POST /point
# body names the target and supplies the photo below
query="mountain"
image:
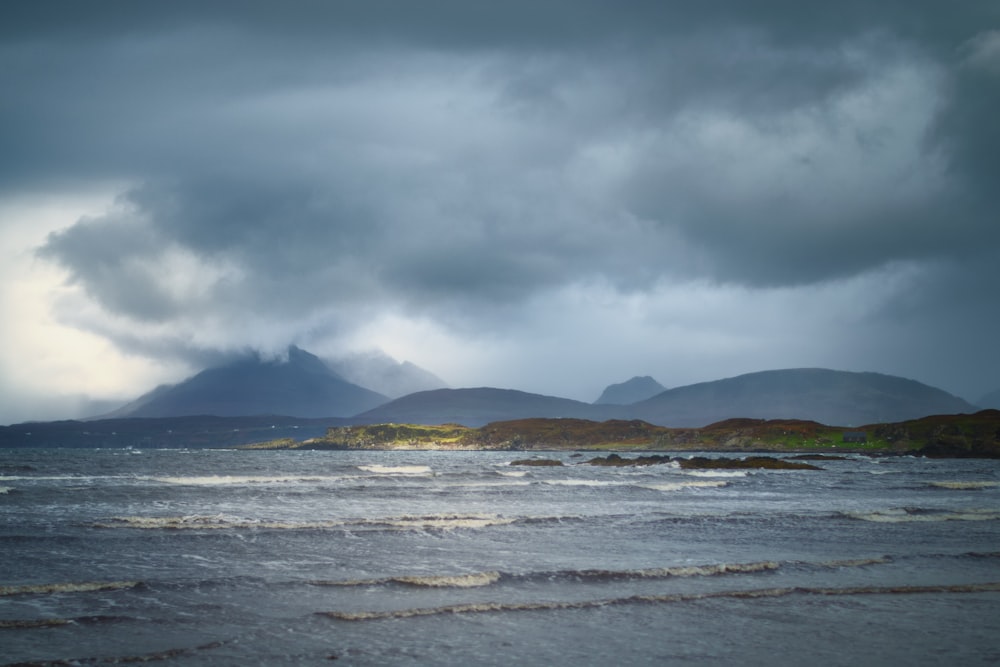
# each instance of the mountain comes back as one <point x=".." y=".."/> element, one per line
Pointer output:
<point x="830" y="397"/>
<point x="990" y="400"/>
<point x="299" y="386"/>
<point x="835" y="398"/>
<point x="479" y="406"/>
<point x="380" y="372"/>
<point x="632" y="391"/>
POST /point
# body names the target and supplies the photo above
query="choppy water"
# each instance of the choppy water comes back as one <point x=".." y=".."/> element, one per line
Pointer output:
<point x="213" y="557"/>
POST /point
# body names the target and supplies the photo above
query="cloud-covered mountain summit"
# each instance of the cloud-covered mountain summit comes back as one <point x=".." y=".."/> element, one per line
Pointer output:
<point x="300" y="385"/>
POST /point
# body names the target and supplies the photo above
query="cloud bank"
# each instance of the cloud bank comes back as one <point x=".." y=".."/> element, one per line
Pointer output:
<point x="553" y="195"/>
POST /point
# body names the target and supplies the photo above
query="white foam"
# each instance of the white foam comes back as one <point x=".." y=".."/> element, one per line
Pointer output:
<point x="857" y="562"/>
<point x="962" y="486"/>
<point x="678" y="486"/>
<point x="751" y="594"/>
<point x="716" y="473"/>
<point x="68" y="587"/>
<point x="472" y="580"/>
<point x="207" y="522"/>
<point x="396" y="470"/>
<point x="237" y="480"/>
<point x="516" y="473"/>
<point x="904" y="516"/>
<point x="488" y="484"/>
<point x="442" y="521"/>
<point x="582" y="482"/>
<point x="4" y="490"/>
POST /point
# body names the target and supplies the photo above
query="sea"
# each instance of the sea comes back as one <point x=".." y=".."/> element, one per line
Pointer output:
<point x="226" y="557"/>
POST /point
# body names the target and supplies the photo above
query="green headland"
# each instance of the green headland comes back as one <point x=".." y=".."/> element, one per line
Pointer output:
<point x="966" y="435"/>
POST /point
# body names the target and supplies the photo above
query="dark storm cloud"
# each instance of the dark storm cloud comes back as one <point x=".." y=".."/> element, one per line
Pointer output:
<point x="316" y="161"/>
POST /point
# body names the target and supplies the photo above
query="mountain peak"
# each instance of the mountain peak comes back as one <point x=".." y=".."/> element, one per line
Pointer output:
<point x="378" y="371"/>
<point x="300" y="385"/>
<point x="639" y="388"/>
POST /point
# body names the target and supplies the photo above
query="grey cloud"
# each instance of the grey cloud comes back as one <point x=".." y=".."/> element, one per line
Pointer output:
<point x="110" y="257"/>
<point x="320" y="161"/>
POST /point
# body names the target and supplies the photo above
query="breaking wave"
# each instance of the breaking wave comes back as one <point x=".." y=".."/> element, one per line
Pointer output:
<point x="473" y="580"/>
<point x="69" y="587"/>
<point x="479" y="579"/>
<point x="582" y="482"/>
<point x="238" y="480"/>
<point x="676" y="571"/>
<point x="911" y="515"/>
<point x="965" y="485"/>
<point x="224" y="522"/>
<point x="440" y="521"/>
<point x="716" y="473"/>
<point x="487" y="607"/>
<point x="396" y="470"/>
<point x="856" y="562"/>
<point x="207" y="522"/>
<point x="677" y="486"/>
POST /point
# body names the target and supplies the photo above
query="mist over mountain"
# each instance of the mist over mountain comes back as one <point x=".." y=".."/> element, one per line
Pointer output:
<point x="990" y="400"/>
<point x="826" y="396"/>
<point x="299" y="386"/>
<point x="303" y="386"/>
<point x="639" y="388"/>
<point x="381" y="373"/>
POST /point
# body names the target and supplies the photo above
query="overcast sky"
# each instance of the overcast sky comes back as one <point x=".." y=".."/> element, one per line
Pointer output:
<point x="550" y="195"/>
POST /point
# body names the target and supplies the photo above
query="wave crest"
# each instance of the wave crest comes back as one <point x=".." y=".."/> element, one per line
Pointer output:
<point x="909" y="515"/>
<point x="66" y="587"/>
<point x="963" y="486"/>
<point x="396" y="470"/>
<point x="472" y="580"/>
<point x="748" y="594"/>
<point x="678" y="486"/>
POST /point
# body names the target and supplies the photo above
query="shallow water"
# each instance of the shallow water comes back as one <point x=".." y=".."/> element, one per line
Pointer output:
<point x="214" y="557"/>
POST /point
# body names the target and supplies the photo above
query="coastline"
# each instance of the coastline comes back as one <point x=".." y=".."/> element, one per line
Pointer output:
<point x="944" y="436"/>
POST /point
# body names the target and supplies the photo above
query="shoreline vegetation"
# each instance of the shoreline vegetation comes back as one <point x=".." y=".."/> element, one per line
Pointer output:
<point x="966" y="435"/>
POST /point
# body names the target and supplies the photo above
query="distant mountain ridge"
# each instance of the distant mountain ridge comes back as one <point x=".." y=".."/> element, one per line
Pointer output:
<point x="830" y="397"/>
<point x="304" y="386"/>
<point x="634" y="390"/>
<point x="840" y="398"/>
<point x="478" y="406"/>
<point x="990" y="400"/>
<point x="299" y="386"/>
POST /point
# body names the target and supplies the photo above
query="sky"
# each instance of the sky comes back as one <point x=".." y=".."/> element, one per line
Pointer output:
<point x="550" y="196"/>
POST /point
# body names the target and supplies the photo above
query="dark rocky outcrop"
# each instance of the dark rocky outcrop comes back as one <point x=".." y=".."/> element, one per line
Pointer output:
<point x="614" y="460"/>
<point x="751" y="462"/>
<point x="536" y="462"/>
<point x="703" y="463"/>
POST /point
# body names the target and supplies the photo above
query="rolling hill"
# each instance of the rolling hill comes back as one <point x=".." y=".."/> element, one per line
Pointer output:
<point x="826" y="396"/>
<point x="478" y="406"/>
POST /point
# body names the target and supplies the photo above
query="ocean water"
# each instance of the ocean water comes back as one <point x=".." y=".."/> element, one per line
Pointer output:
<point x="215" y="557"/>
